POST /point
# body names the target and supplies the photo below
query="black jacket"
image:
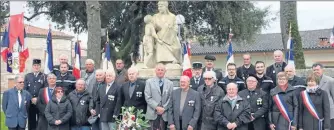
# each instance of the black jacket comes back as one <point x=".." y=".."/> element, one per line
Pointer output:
<point x="289" y="98"/>
<point x="58" y="111"/>
<point x="265" y="83"/>
<point x="137" y="99"/>
<point x="225" y="81"/>
<point x="270" y="71"/>
<point x="258" y="100"/>
<point x="243" y="72"/>
<point x="56" y="69"/>
<point x="81" y="108"/>
<point x="193" y="84"/>
<point x="67" y="82"/>
<point x="240" y="114"/>
<point x="109" y="103"/>
<point x="34" y="84"/>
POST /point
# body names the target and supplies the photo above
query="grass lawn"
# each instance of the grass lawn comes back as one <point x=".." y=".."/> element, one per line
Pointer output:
<point x="2" y="123"/>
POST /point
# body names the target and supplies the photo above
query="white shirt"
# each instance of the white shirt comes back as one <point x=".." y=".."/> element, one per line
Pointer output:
<point x="20" y="97"/>
<point x="108" y="86"/>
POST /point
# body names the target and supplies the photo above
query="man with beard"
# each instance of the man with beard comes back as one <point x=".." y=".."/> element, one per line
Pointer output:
<point x="247" y="68"/>
<point x="264" y="82"/>
<point x="33" y="83"/>
<point x="63" y="59"/>
<point x="209" y="66"/>
<point x="277" y="67"/>
<point x="231" y="77"/>
<point x="120" y="72"/>
<point x="197" y="80"/>
<point x="65" y="79"/>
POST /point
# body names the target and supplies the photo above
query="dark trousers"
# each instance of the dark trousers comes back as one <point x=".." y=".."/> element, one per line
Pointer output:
<point x="96" y="125"/>
<point x="32" y="117"/>
<point x="17" y="128"/>
<point x="251" y="126"/>
<point x="158" y="124"/>
<point x="332" y="124"/>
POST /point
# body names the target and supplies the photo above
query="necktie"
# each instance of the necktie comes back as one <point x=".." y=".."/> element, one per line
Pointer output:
<point x="51" y="90"/>
<point x="132" y="84"/>
<point x="161" y="84"/>
<point x="196" y="80"/>
<point x="20" y="97"/>
<point x="108" y="87"/>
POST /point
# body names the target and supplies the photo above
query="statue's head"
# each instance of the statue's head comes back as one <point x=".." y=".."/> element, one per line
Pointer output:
<point x="163" y="6"/>
<point x="147" y="18"/>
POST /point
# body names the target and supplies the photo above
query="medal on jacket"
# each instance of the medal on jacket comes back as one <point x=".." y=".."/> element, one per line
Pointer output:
<point x="82" y="102"/>
<point x="139" y="94"/>
<point x="191" y="103"/>
<point x="259" y="101"/>
<point x="211" y="98"/>
<point x="248" y="96"/>
<point x="237" y="106"/>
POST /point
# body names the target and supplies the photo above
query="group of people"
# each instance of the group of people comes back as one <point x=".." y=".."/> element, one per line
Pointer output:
<point x="250" y="97"/>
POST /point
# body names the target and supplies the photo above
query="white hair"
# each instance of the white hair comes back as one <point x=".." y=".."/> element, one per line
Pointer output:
<point x="18" y="76"/>
<point x="100" y="71"/>
<point x="290" y="66"/>
<point x="232" y="84"/>
<point x="63" y="55"/>
<point x="278" y="52"/>
<point x="110" y="71"/>
<point x="51" y="75"/>
<point x="211" y="74"/>
<point x="135" y="69"/>
<point x="90" y="61"/>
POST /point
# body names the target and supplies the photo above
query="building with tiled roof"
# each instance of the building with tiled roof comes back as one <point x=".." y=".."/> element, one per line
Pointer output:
<point x="263" y="46"/>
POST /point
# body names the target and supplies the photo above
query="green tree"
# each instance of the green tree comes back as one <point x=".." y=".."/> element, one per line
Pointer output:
<point x="4" y="12"/>
<point x="288" y="15"/>
<point x="209" y="22"/>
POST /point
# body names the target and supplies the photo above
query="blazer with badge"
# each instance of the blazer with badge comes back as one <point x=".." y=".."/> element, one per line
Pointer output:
<point x="137" y="99"/>
<point x="34" y="83"/>
<point x="193" y="83"/>
<point x="154" y="97"/>
<point x="259" y="104"/>
<point x="191" y="109"/>
<point x="15" y="115"/>
<point x="110" y="103"/>
<point x="270" y="71"/>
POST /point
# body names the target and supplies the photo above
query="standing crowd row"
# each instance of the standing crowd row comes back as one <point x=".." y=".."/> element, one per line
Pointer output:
<point x="250" y="97"/>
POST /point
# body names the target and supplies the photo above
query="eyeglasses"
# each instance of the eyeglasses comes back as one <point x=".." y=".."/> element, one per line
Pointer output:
<point x="60" y="91"/>
<point x="21" y="82"/>
<point x="207" y="78"/>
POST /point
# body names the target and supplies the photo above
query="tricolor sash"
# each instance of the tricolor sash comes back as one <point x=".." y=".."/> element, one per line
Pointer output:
<point x="283" y="109"/>
<point x="46" y="95"/>
<point x="310" y="107"/>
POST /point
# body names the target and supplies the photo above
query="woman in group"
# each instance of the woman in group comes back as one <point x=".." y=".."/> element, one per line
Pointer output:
<point x="58" y="111"/>
<point x="283" y="105"/>
<point x="314" y="106"/>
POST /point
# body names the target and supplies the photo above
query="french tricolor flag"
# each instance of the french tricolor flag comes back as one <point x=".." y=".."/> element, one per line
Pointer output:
<point x="186" y="60"/>
<point x="230" y="57"/>
<point x="77" y="63"/>
<point x="48" y="66"/>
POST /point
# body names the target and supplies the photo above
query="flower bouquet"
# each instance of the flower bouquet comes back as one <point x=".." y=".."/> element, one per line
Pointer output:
<point x="132" y="119"/>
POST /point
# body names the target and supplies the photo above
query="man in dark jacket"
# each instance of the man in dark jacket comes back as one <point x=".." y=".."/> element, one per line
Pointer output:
<point x="298" y="83"/>
<point x="233" y="112"/>
<point x="63" y="59"/>
<point x="108" y="98"/>
<point x="231" y="77"/>
<point x="99" y="76"/>
<point x="246" y="69"/>
<point x="264" y="82"/>
<point x="210" y="95"/>
<point x="277" y="67"/>
<point x="33" y="83"/>
<point x="197" y="80"/>
<point x="120" y="72"/>
<point x="132" y="92"/>
<point x="258" y="100"/>
<point x="210" y="66"/>
<point x="81" y="103"/>
<point x="65" y="79"/>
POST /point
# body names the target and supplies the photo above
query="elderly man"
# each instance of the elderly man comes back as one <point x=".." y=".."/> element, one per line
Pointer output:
<point x="185" y="107"/>
<point x="98" y="84"/>
<point x="33" y="83"/>
<point x="327" y="84"/>
<point x="277" y="67"/>
<point x="15" y="102"/>
<point x="231" y="77"/>
<point x="209" y="66"/>
<point x="158" y="92"/>
<point x="108" y="98"/>
<point x="258" y="100"/>
<point x="65" y="79"/>
<point x="294" y="80"/>
<point x="63" y="59"/>
<point x="247" y="68"/>
<point x="132" y="92"/>
<point x="45" y="95"/>
<point x="197" y="79"/>
<point x="264" y="82"/>
<point x="210" y="95"/>
<point x="232" y="113"/>
<point x="81" y="103"/>
<point x="120" y="72"/>
<point x="89" y="75"/>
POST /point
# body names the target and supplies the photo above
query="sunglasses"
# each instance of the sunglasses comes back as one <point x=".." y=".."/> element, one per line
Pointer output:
<point x="60" y="91"/>
<point x="207" y="78"/>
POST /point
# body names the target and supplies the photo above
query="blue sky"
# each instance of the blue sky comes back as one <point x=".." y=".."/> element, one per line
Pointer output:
<point x="311" y="16"/>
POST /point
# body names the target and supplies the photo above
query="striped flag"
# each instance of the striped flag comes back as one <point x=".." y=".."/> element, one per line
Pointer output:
<point x="290" y="53"/>
<point x="230" y="57"/>
<point x="186" y="61"/>
<point x="107" y="64"/>
<point x="5" y="53"/>
<point x="24" y="53"/>
<point x="331" y="40"/>
<point x="77" y="62"/>
<point x="48" y="64"/>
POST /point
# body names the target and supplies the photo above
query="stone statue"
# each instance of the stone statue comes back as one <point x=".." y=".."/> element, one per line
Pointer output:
<point x="168" y="48"/>
<point x="149" y="42"/>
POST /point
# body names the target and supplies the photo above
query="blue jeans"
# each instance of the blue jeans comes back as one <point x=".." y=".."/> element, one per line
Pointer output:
<point x="80" y="128"/>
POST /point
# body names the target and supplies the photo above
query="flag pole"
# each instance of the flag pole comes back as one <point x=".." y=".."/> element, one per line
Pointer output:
<point x="46" y="47"/>
<point x="288" y="50"/>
